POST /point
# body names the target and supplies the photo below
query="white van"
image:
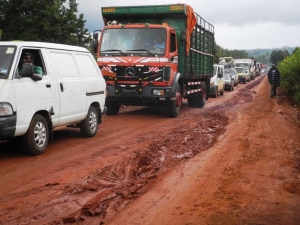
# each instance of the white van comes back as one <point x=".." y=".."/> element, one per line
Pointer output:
<point x="70" y="91"/>
<point x="217" y="81"/>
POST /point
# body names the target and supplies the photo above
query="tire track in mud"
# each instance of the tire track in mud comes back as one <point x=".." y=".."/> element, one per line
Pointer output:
<point x="103" y="193"/>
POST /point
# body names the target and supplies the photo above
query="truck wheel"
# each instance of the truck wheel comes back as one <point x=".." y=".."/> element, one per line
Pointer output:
<point x="201" y="96"/>
<point x="89" y="125"/>
<point x="173" y="107"/>
<point x="36" y="138"/>
<point x="191" y="100"/>
<point x="112" y="108"/>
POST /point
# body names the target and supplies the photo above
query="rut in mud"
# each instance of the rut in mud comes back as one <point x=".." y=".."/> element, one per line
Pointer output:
<point x="109" y="189"/>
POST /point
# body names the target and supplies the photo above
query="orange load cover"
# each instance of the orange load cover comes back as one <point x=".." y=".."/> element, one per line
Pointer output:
<point x="191" y="22"/>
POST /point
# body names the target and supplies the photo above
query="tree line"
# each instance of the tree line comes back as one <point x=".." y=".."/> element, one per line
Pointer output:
<point x="43" y="20"/>
<point x="58" y="21"/>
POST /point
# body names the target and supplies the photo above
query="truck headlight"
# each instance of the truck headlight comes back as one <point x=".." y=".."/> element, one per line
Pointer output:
<point x="5" y="109"/>
<point x="159" y="92"/>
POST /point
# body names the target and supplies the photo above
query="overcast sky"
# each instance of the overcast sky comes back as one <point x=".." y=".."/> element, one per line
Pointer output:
<point x="239" y="24"/>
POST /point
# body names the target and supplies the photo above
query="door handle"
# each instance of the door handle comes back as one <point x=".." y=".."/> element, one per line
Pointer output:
<point x="61" y="87"/>
<point x="48" y="85"/>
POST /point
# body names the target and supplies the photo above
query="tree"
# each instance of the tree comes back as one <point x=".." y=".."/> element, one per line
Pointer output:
<point x="40" y="20"/>
<point x="295" y="50"/>
<point x="276" y="56"/>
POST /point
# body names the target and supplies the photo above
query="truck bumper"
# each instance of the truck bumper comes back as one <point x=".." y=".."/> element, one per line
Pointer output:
<point x="7" y="127"/>
<point x="133" y="96"/>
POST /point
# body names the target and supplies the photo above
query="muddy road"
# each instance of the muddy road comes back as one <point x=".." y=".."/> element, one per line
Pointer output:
<point x="235" y="161"/>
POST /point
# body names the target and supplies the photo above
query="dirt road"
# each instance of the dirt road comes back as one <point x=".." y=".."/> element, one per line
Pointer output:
<point x="236" y="161"/>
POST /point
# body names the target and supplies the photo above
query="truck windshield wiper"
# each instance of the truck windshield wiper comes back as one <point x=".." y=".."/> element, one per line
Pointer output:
<point x="145" y="50"/>
<point x="114" y="50"/>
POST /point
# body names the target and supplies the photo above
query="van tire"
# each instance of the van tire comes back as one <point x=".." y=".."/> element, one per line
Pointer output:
<point x="112" y="108"/>
<point x="36" y="138"/>
<point x="222" y="92"/>
<point x="216" y="93"/>
<point x="89" y="125"/>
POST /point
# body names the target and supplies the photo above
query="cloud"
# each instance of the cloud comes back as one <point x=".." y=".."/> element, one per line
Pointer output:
<point x="239" y="24"/>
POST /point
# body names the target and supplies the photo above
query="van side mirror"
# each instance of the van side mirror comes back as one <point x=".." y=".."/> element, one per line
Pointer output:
<point x="27" y="71"/>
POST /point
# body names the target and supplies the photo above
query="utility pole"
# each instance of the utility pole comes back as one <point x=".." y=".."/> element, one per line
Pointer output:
<point x="284" y="51"/>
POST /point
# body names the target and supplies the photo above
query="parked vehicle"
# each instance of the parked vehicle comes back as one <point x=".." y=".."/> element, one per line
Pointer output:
<point x="264" y="69"/>
<point x="71" y="91"/>
<point x="243" y="74"/>
<point x="140" y="70"/>
<point x="229" y="79"/>
<point x="248" y="65"/>
<point x="217" y="82"/>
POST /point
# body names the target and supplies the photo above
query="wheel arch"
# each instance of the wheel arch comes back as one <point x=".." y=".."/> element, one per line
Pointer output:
<point x="47" y="117"/>
<point x="97" y="106"/>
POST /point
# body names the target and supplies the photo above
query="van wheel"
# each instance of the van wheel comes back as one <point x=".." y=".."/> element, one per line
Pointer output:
<point x="173" y="107"/>
<point x="216" y="93"/>
<point x="36" y="138"/>
<point x="222" y="92"/>
<point x="89" y="125"/>
<point x="112" y="108"/>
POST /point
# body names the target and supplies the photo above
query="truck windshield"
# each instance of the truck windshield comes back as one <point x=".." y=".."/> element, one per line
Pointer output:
<point x="133" y="41"/>
<point x="242" y="65"/>
<point x="240" y="69"/>
<point x="6" y="59"/>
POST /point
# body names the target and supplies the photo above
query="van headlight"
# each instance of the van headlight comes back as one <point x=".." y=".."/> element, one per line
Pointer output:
<point x="5" y="109"/>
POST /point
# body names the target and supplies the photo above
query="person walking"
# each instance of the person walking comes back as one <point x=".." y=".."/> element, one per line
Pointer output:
<point x="274" y="79"/>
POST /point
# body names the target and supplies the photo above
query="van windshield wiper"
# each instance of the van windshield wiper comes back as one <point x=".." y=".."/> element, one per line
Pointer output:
<point x="114" y="50"/>
<point x="145" y="50"/>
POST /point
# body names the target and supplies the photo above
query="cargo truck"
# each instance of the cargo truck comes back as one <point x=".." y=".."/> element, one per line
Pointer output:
<point x="155" y="56"/>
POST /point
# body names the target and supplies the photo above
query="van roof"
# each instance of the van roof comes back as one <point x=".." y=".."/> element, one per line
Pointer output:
<point x="43" y="45"/>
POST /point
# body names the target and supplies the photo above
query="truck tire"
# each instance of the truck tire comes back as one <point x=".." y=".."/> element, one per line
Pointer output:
<point x="112" y="108"/>
<point x="36" y="138"/>
<point x="191" y="100"/>
<point x="173" y="107"/>
<point x="201" y="96"/>
<point x="89" y="126"/>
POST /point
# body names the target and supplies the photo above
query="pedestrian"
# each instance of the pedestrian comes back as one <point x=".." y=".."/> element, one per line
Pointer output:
<point x="274" y="79"/>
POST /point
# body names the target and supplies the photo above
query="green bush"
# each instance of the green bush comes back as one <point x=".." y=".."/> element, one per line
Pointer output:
<point x="290" y="75"/>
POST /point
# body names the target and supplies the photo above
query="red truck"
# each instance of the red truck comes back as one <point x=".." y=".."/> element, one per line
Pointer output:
<point x="155" y="56"/>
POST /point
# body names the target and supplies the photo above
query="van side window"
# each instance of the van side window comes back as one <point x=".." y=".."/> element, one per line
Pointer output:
<point x="33" y="56"/>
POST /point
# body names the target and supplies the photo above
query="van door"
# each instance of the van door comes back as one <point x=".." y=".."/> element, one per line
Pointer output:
<point x="72" y="94"/>
<point x="33" y="96"/>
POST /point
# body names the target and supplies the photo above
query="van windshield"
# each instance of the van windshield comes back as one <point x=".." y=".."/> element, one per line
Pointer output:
<point x="133" y="41"/>
<point x="6" y="58"/>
